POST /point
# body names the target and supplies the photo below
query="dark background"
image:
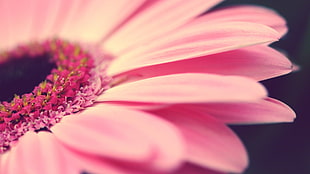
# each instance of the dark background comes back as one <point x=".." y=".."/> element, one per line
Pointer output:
<point x="284" y="148"/>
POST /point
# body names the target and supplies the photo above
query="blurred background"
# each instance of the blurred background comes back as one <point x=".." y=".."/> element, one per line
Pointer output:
<point x="284" y="148"/>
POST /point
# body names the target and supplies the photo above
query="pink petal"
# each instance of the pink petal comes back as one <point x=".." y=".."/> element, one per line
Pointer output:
<point x="4" y="162"/>
<point x="5" y="31"/>
<point x="44" y="18"/>
<point x="93" y="20"/>
<point x="105" y="129"/>
<point x="193" y="41"/>
<point x="194" y="169"/>
<point x="155" y="20"/>
<point x="64" y="12"/>
<point x="15" y="22"/>
<point x="95" y="164"/>
<point x="187" y="88"/>
<point x="36" y="154"/>
<point x="264" y="111"/>
<point x="138" y="105"/>
<point x="101" y="136"/>
<point x="257" y="62"/>
<point x="15" y="159"/>
<point x="210" y="142"/>
<point x="247" y="13"/>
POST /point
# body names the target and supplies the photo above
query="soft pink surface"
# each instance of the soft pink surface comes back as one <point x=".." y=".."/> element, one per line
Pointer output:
<point x="187" y="88"/>
<point x="192" y="169"/>
<point x="257" y="62"/>
<point x="210" y="142"/>
<point x="147" y="137"/>
<point x="265" y="111"/>
<point x="144" y="27"/>
<point x="37" y="153"/>
<point x="96" y="18"/>
<point x="182" y="77"/>
<point x="247" y="13"/>
<point x="193" y="41"/>
<point x="14" y="20"/>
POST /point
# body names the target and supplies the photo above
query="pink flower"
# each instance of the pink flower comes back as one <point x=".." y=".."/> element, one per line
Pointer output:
<point x="137" y="86"/>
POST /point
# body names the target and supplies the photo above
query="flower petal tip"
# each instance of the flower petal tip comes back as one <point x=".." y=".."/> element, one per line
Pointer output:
<point x="286" y="113"/>
<point x="295" y="67"/>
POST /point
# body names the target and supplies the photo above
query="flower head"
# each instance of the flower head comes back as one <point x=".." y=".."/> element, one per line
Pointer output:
<point x="134" y="86"/>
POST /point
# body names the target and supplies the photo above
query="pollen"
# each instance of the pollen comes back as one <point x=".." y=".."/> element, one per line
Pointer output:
<point x="67" y="89"/>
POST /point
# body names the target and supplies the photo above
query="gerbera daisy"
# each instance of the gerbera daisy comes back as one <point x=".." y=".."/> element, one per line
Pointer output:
<point x="134" y="86"/>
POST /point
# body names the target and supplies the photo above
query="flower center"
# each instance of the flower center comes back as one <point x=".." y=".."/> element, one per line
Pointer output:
<point x="42" y="82"/>
<point x="19" y="74"/>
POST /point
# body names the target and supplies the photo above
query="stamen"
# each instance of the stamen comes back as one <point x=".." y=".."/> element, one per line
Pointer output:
<point x="69" y="88"/>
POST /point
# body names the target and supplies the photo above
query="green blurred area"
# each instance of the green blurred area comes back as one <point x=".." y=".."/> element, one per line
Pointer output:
<point x="284" y="148"/>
